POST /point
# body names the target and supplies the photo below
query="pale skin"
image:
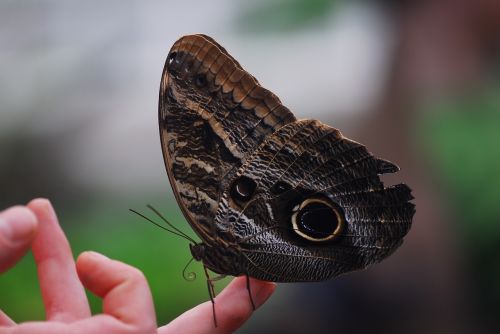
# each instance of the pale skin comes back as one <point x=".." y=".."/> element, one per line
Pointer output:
<point x="127" y="303"/>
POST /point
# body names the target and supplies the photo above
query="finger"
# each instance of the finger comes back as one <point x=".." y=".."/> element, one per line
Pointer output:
<point x="95" y="325"/>
<point x="232" y="307"/>
<point x="63" y="294"/>
<point x="17" y="229"/>
<point x="5" y="320"/>
<point x="124" y="289"/>
<point x="36" y="327"/>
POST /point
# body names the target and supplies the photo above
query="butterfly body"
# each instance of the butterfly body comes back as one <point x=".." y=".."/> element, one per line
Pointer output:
<point x="270" y="196"/>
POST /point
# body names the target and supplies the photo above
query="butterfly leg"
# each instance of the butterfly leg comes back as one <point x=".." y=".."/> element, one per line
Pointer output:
<point x="211" y="293"/>
<point x="250" y="291"/>
<point x="211" y="290"/>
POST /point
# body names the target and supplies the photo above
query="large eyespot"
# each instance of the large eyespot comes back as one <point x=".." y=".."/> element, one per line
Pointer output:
<point x="318" y="220"/>
<point x="200" y="80"/>
<point x="243" y="188"/>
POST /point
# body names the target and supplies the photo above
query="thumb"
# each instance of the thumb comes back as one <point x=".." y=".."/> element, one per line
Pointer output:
<point x="18" y="227"/>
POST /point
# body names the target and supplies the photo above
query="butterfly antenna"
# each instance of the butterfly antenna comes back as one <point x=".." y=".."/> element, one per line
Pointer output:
<point x="170" y="224"/>
<point x="188" y="276"/>
<point x="182" y="235"/>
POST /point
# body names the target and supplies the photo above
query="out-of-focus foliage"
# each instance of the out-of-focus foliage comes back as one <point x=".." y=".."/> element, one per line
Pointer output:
<point x="462" y="137"/>
<point x="30" y="165"/>
<point x="284" y="15"/>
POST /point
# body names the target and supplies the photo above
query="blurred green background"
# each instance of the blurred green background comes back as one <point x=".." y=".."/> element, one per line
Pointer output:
<point x="415" y="80"/>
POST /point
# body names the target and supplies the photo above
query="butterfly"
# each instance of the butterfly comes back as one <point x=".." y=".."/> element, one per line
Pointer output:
<point x="270" y="196"/>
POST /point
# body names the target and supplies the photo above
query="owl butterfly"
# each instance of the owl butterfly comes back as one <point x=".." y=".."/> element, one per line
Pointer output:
<point x="270" y="196"/>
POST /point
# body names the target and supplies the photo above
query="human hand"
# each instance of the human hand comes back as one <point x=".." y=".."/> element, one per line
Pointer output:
<point x="127" y="302"/>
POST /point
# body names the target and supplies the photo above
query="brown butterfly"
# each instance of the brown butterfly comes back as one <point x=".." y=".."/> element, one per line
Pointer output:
<point x="270" y="196"/>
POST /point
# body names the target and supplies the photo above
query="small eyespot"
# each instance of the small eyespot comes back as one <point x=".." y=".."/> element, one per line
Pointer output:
<point x="200" y="80"/>
<point x="318" y="220"/>
<point x="243" y="188"/>
<point x="171" y="57"/>
<point x="280" y="187"/>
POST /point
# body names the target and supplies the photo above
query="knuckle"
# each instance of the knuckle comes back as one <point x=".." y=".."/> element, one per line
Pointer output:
<point x="135" y="274"/>
<point x="146" y="329"/>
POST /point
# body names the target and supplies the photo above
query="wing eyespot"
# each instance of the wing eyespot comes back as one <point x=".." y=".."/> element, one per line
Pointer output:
<point x="243" y="189"/>
<point x="318" y="220"/>
<point x="280" y="187"/>
<point x="200" y="80"/>
<point x="171" y="57"/>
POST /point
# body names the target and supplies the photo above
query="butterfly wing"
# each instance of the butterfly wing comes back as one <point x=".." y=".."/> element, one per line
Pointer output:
<point x="212" y="115"/>
<point x="302" y="162"/>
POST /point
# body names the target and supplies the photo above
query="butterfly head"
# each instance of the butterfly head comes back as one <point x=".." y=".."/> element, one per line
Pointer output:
<point x="197" y="251"/>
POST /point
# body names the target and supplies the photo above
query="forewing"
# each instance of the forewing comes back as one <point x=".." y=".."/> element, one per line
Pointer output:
<point x="212" y="116"/>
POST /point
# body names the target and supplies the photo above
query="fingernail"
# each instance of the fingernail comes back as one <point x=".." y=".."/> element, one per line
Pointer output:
<point x="17" y="224"/>
<point x="263" y="294"/>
